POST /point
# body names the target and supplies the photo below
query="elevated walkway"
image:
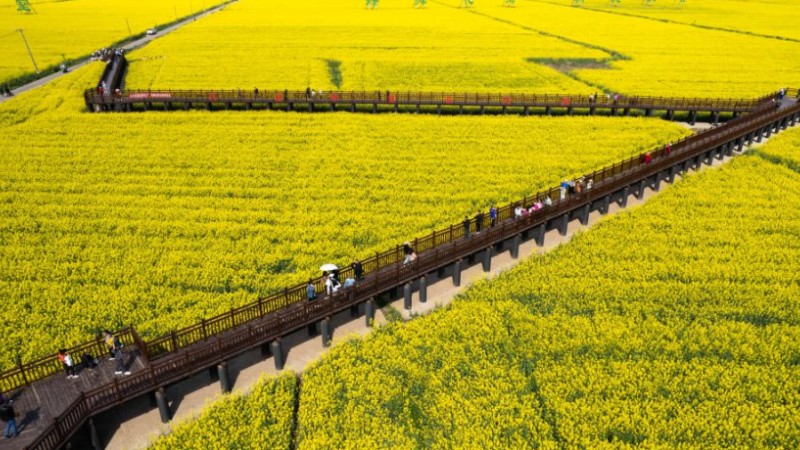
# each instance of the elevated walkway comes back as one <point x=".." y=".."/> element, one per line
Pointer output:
<point x="424" y="102"/>
<point x="54" y="408"/>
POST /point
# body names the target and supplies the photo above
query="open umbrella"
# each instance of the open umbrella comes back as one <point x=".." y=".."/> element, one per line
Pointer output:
<point x="328" y="267"/>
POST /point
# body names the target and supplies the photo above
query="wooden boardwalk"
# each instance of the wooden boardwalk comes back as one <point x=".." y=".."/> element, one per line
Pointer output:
<point x="419" y="102"/>
<point x="51" y="408"/>
<point x="39" y="404"/>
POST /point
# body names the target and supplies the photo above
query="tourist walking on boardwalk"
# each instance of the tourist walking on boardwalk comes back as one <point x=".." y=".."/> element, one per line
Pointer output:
<point x="331" y="284"/>
<point x="115" y="347"/>
<point x="478" y="222"/>
<point x="563" y="189"/>
<point x="466" y="226"/>
<point x="647" y="158"/>
<point x="358" y="270"/>
<point x="407" y="251"/>
<point x="493" y="215"/>
<point x="8" y="416"/>
<point x="66" y="361"/>
<point x="311" y="291"/>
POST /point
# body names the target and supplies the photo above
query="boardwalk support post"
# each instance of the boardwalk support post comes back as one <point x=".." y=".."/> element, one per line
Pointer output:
<point x="539" y="235"/>
<point x="487" y="259"/>
<point x="369" y="312"/>
<point x="407" y="296"/>
<point x="224" y="380"/>
<point x="692" y="117"/>
<point x="563" y="221"/>
<point x="457" y="273"/>
<point x="623" y="201"/>
<point x="709" y="157"/>
<point x="672" y="172"/>
<point x="163" y="406"/>
<point x="657" y="182"/>
<point x="93" y="436"/>
<point x="312" y="329"/>
<point x="277" y="353"/>
<point x="325" y="327"/>
<point x="423" y="289"/>
<point x="584" y="215"/>
<point x="640" y="190"/>
<point x="515" y="246"/>
<point x="604" y="205"/>
<point x="354" y="310"/>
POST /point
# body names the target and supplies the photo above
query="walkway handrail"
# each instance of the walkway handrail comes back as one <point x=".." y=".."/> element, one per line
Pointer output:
<point x="172" y="359"/>
<point x="92" y="97"/>
<point x="26" y="374"/>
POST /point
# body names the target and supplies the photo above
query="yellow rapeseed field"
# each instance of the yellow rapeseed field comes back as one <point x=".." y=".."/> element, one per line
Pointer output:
<point x="768" y="18"/>
<point x="262" y="418"/>
<point x="328" y="44"/>
<point x="76" y="28"/>
<point x="667" y="58"/>
<point x="673" y="325"/>
<point x="159" y="220"/>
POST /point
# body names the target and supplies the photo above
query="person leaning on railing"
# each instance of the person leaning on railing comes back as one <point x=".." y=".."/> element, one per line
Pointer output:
<point x="311" y="291"/>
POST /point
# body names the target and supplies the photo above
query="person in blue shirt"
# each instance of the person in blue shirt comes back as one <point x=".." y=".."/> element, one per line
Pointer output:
<point x="311" y="291"/>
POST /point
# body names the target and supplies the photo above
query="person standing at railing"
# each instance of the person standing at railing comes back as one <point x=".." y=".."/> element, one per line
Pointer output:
<point x="9" y="416"/>
<point x="66" y="361"/>
<point x="311" y="291"/>
<point x="466" y="226"/>
<point x="781" y="94"/>
<point x="478" y="222"/>
<point x="407" y="251"/>
<point x="115" y="347"/>
<point x="358" y="270"/>
<point x="563" y="190"/>
<point x="493" y="215"/>
<point x="669" y="148"/>
<point x="548" y="201"/>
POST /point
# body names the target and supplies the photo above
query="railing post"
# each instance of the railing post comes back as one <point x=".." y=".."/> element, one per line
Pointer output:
<point x="174" y="341"/>
<point x="203" y="324"/>
<point x="142" y="345"/>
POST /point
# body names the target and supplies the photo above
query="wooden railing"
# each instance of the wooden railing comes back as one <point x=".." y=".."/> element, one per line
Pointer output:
<point x="25" y="374"/>
<point x="92" y="98"/>
<point x="179" y="339"/>
<point x="173" y="357"/>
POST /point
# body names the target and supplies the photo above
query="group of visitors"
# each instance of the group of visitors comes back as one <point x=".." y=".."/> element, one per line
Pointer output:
<point x="71" y="368"/>
<point x="569" y="187"/>
<point x="610" y="98"/>
<point x="311" y="94"/>
<point x="105" y="54"/>
<point x="330" y="280"/>
<point x="521" y="212"/>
